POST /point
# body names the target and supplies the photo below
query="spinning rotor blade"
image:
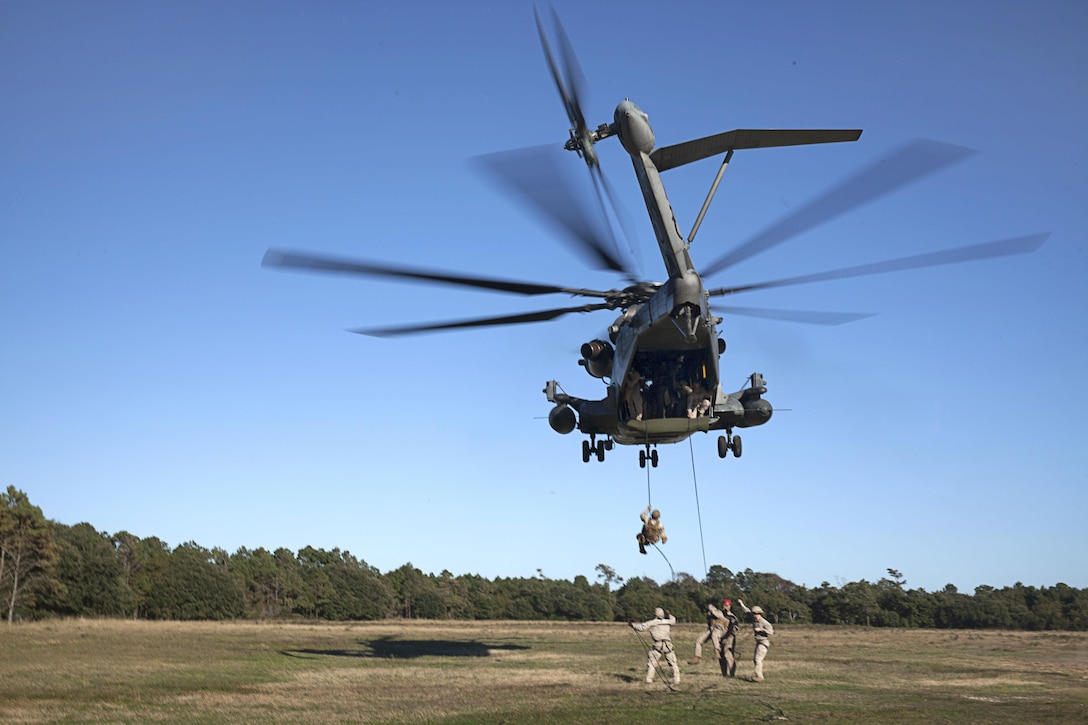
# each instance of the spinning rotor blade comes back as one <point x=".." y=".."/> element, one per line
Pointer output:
<point x="569" y="81"/>
<point x="807" y="317"/>
<point x="605" y="192"/>
<point x="1001" y="248"/>
<point x="542" y="316"/>
<point x="294" y="260"/>
<point x="533" y="174"/>
<point x="910" y="163"/>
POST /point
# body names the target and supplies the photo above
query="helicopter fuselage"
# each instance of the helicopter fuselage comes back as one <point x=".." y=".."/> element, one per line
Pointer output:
<point x="664" y="352"/>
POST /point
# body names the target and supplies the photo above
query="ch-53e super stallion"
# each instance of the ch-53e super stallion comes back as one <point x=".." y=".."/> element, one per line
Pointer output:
<point x="660" y="363"/>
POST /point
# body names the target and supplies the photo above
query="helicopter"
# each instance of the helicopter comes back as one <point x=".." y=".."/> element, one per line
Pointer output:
<point x="661" y="360"/>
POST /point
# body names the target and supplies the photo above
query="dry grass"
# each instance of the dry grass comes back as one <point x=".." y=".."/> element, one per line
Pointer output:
<point x="117" y="671"/>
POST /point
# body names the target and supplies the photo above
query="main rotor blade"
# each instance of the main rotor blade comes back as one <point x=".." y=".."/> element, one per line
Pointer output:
<point x="1001" y="248"/>
<point x="542" y="316"/>
<point x="910" y="163"/>
<point x="297" y="260"/>
<point x="807" y="317"/>
<point x="533" y="174"/>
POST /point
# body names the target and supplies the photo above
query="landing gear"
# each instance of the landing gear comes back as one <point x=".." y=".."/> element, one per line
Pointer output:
<point x="593" y="447"/>
<point x="647" y="455"/>
<point x="730" y="443"/>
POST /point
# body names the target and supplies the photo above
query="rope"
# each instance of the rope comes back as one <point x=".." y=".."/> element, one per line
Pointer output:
<point x="698" y="510"/>
<point x="672" y="572"/>
<point x="649" y="504"/>
<point x="649" y="500"/>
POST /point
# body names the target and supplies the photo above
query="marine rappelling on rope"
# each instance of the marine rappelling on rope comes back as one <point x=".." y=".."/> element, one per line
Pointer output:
<point x="653" y="530"/>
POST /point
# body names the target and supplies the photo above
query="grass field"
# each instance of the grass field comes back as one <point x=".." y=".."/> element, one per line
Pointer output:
<point x="526" y="672"/>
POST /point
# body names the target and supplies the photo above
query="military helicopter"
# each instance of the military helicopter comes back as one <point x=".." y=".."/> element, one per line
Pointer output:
<point x="660" y="363"/>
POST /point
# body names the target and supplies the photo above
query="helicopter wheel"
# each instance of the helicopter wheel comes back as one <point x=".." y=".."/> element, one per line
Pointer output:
<point x="736" y="446"/>
<point x="642" y="459"/>
<point x="600" y="450"/>
<point x="585" y="451"/>
<point x="653" y="458"/>
<point x="723" y="447"/>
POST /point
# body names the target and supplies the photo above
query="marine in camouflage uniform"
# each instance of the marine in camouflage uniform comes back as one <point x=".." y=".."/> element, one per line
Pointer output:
<point x="762" y="630"/>
<point x="660" y="628"/>
<point x="652" y="529"/>
<point x="715" y="630"/>
<point x="728" y="641"/>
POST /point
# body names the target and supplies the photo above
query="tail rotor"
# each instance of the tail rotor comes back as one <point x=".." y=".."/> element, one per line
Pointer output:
<point x="570" y="82"/>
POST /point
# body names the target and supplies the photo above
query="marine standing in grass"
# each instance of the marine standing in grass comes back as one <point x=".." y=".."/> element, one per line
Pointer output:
<point x="660" y="628"/>
<point x="763" y="631"/>
<point x="715" y="630"/>
<point x="728" y="642"/>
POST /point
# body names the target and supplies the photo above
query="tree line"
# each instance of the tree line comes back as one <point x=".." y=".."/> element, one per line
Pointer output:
<point x="49" y="569"/>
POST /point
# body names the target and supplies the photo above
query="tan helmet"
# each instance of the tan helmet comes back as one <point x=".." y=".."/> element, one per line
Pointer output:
<point x="656" y="514"/>
<point x="757" y="610"/>
<point x="659" y="613"/>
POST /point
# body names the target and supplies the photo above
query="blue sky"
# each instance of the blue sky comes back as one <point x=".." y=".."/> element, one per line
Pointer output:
<point x="154" y="378"/>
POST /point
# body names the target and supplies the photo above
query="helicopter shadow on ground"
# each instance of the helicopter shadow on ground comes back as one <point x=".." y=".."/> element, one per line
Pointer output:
<point x="389" y="648"/>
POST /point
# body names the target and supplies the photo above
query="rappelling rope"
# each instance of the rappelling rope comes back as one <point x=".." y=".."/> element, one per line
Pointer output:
<point x="649" y="504"/>
<point x="672" y="572"/>
<point x="649" y="498"/>
<point x="698" y="510"/>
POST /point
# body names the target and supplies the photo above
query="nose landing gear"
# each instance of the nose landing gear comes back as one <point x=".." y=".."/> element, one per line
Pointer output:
<point x="728" y="443"/>
<point x="593" y="447"/>
<point x="647" y="455"/>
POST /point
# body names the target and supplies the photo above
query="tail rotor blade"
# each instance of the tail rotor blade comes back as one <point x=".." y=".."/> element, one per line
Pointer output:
<point x="568" y="77"/>
<point x="570" y="82"/>
<point x="535" y="177"/>
<point x="601" y="184"/>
